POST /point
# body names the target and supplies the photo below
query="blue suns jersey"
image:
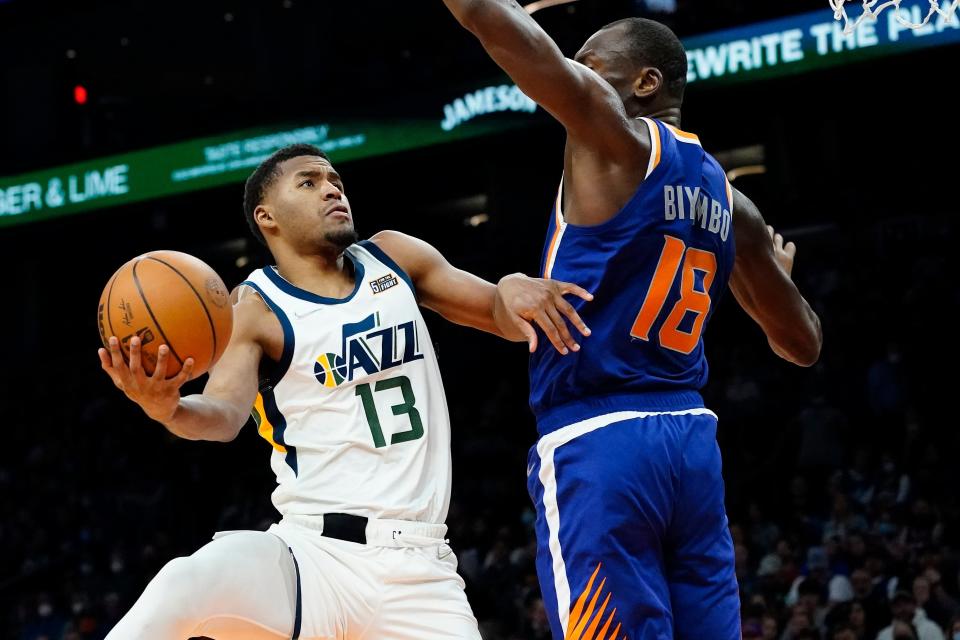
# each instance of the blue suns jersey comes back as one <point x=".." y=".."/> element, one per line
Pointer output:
<point x="656" y="269"/>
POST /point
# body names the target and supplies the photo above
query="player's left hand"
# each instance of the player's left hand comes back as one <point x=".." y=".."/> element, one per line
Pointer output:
<point x="786" y="253"/>
<point x="522" y="301"/>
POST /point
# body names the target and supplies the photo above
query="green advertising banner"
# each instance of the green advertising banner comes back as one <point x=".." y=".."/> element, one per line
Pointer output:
<point x="752" y="52"/>
<point x="210" y="162"/>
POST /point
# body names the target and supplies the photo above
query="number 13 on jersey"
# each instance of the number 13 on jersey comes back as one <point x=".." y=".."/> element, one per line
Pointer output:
<point x="677" y="257"/>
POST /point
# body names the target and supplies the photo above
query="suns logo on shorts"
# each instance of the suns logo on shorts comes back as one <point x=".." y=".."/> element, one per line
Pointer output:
<point x="368" y="348"/>
<point x="585" y="619"/>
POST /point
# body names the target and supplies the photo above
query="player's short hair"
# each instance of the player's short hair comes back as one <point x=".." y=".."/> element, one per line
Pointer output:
<point x="265" y="175"/>
<point x="655" y="45"/>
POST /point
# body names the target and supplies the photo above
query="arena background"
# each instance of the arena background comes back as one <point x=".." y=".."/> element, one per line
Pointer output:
<point x="849" y="468"/>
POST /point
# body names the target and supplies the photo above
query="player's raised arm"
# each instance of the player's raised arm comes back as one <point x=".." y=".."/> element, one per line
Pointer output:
<point x="466" y="299"/>
<point x="222" y="409"/>
<point x="762" y="285"/>
<point x="584" y="103"/>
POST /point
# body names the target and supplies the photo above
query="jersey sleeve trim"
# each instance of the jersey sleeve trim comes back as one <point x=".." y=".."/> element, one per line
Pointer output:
<point x="684" y="136"/>
<point x="559" y="225"/>
<point x="288" y="338"/>
<point x="656" y="146"/>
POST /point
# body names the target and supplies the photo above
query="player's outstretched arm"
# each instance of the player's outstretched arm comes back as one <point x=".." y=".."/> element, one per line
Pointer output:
<point x="583" y="102"/>
<point x="466" y="299"/>
<point x="222" y="409"/>
<point x="762" y="285"/>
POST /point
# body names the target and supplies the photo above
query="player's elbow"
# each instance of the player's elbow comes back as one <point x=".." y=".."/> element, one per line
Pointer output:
<point x="469" y="13"/>
<point x="805" y="350"/>
<point x="222" y="430"/>
<point x="808" y="356"/>
<point x="485" y="19"/>
<point x="231" y="429"/>
<point x="227" y="435"/>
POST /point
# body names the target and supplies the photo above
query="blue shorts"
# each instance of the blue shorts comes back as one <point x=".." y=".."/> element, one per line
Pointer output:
<point x="632" y="535"/>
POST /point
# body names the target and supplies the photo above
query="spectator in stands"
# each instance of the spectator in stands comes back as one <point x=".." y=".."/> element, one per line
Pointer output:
<point x="763" y="533"/>
<point x="954" y="629"/>
<point x="843" y="521"/>
<point x="857" y="620"/>
<point x="843" y="631"/>
<point x="924" y="527"/>
<point x="903" y="631"/>
<point x="820" y="586"/>
<point x="751" y="630"/>
<point x="858" y="480"/>
<point x="855" y="548"/>
<point x="800" y="621"/>
<point x="868" y="594"/>
<point x="933" y="599"/>
<point x="908" y="619"/>
<point x="741" y="565"/>
<point x="892" y="485"/>
<point x="770" y="628"/>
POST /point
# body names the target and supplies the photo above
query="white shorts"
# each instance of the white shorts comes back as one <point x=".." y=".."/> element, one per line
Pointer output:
<point x="403" y="584"/>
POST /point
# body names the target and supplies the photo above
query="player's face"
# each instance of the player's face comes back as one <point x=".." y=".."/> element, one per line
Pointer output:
<point x="606" y="53"/>
<point x="311" y="203"/>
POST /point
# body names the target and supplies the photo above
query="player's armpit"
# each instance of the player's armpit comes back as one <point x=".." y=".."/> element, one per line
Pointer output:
<point x="764" y="289"/>
<point x="222" y="409"/>
<point x="583" y="102"/>
<point x="458" y="296"/>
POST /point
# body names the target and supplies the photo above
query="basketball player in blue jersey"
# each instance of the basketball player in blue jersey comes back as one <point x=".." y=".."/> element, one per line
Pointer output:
<point x="354" y="409"/>
<point x="626" y="476"/>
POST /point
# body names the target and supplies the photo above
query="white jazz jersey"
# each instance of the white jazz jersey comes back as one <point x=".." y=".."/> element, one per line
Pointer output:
<point x="355" y="409"/>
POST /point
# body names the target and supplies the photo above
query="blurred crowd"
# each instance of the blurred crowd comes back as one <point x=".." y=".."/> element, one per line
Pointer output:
<point x="841" y="480"/>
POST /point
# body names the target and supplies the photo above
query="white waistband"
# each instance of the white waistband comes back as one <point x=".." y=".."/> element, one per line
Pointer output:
<point x="385" y="533"/>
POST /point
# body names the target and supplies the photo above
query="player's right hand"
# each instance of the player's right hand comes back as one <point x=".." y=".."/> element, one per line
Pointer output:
<point x="156" y="395"/>
<point x="522" y="301"/>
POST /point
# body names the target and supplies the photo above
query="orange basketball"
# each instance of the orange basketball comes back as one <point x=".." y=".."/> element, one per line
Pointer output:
<point x="171" y="298"/>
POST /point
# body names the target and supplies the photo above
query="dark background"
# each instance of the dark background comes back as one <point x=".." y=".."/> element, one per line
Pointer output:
<point x="860" y="169"/>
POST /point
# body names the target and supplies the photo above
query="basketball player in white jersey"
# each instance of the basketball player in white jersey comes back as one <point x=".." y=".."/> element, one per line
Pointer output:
<point x="355" y="411"/>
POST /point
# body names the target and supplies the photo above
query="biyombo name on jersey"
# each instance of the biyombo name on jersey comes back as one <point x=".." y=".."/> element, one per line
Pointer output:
<point x="686" y="203"/>
<point x="368" y="348"/>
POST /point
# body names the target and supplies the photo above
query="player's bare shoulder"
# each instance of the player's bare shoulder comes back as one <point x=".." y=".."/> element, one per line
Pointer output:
<point x="413" y="255"/>
<point x="395" y="241"/>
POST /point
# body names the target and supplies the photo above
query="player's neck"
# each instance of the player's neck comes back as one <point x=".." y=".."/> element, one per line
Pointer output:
<point x="669" y="115"/>
<point x="330" y="275"/>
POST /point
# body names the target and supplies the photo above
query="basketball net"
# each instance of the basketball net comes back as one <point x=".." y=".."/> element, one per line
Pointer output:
<point x="872" y="8"/>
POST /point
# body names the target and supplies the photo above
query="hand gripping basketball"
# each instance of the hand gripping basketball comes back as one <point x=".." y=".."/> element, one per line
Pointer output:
<point x="170" y="298"/>
<point x="158" y="396"/>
